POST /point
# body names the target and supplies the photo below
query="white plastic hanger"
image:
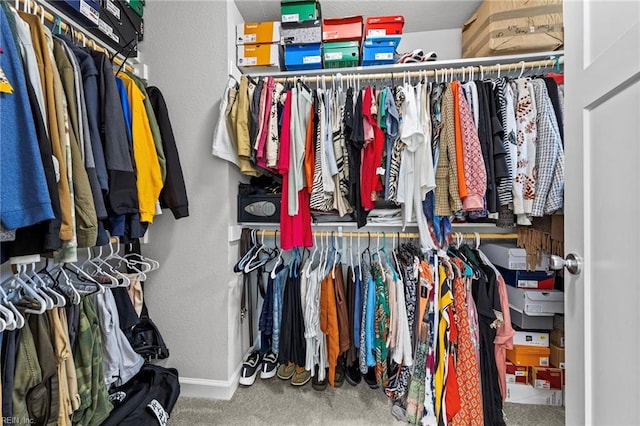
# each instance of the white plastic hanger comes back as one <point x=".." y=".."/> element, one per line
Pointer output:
<point x="29" y="291"/>
<point x="279" y="259"/>
<point x="13" y="317"/>
<point x="307" y="273"/>
<point x="22" y="272"/>
<point x="521" y="70"/>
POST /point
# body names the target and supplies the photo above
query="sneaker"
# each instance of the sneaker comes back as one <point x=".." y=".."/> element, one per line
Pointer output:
<point x="250" y="368"/>
<point x="286" y="371"/>
<point x="301" y="377"/>
<point x="269" y="365"/>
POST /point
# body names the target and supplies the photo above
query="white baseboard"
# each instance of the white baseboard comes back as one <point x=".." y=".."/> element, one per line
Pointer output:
<point x="210" y="389"/>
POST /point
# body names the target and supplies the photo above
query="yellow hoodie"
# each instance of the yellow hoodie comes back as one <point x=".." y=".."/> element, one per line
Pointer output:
<point x="148" y="176"/>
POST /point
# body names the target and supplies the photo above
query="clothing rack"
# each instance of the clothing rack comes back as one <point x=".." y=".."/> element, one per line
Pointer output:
<point x="408" y="235"/>
<point x="77" y="32"/>
<point x="440" y="70"/>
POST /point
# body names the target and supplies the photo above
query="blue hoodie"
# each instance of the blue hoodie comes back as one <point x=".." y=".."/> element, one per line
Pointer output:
<point x="24" y="197"/>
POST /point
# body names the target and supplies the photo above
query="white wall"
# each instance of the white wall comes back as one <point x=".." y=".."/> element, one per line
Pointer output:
<point x="446" y="43"/>
<point x="194" y="297"/>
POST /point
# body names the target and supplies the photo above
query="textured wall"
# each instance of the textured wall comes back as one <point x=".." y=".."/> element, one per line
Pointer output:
<point x="185" y="48"/>
<point x="446" y="43"/>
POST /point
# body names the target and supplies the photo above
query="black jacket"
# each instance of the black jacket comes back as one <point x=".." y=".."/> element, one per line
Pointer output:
<point x="174" y="192"/>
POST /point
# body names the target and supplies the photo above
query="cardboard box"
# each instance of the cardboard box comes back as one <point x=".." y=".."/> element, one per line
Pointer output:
<point x="376" y="26"/>
<point x="259" y="56"/>
<point x="512" y="27"/>
<point x="556" y="357"/>
<point x="526" y="394"/>
<point x="552" y="225"/>
<point x="299" y="10"/>
<point x="546" y="377"/>
<point x="557" y="337"/>
<point x="303" y="57"/>
<point x="531" y="338"/>
<point x="511" y="257"/>
<point x="137" y="6"/>
<point x="536" y="356"/>
<point x="258" y="32"/>
<point x="536" y="302"/>
<point x="379" y="50"/>
<point x="86" y="11"/>
<point x="341" y="54"/>
<point x="526" y="322"/>
<point x="536" y="280"/>
<point x="558" y="321"/>
<point x="517" y="373"/>
<point x="342" y="29"/>
<point x="307" y="32"/>
<point x="125" y="19"/>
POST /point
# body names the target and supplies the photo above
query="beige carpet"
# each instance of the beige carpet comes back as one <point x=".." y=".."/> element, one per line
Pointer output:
<point x="276" y="402"/>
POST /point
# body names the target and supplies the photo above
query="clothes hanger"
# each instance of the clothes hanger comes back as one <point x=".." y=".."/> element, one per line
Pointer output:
<point x="58" y="298"/>
<point x="272" y="274"/>
<point x="63" y="281"/>
<point x="307" y="273"/>
<point x="116" y="278"/>
<point x="239" y="267"/>
<point x="14" y="318"/>
<point x="255" y="262"/>
<point x="336" y="257"/>
<point x="48" y="300"/>
<point x="27" y="290"/>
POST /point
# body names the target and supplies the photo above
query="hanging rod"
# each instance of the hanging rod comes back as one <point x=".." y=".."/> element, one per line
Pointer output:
<point x="408" y="235"/>
<point x="76" y="31"/>
<point x="440" y="74"/>
<point x="444" y="68"/>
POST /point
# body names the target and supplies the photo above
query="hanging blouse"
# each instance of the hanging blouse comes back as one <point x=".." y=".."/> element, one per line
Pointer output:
<point x="549" y="156"/>
<point x="524" y="186"/>
<point x="475" y="174"/>
<point x="447" y="197"/>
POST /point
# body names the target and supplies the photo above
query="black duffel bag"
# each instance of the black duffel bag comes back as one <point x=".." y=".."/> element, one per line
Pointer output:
<point x="145" y="400"/>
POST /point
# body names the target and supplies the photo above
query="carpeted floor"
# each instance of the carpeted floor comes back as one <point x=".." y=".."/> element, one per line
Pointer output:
<point x="276" y="402"/>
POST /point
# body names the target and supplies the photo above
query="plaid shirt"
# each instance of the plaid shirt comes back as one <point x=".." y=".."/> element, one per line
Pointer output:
<point x="549" y="156"/>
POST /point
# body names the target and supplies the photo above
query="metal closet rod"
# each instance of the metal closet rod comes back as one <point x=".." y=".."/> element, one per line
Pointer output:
<point x="78" y="34"/>
<point x="440" y="74"/>
<point x="409" y="235"/>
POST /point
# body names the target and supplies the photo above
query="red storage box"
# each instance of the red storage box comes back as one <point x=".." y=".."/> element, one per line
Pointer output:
<point x="342" y="29"/>
<point x="383" y="25"/>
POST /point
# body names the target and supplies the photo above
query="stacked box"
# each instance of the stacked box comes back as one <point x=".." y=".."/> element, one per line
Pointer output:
<point x="258" y="46"/>
<point x="382" y="37"/>
<point x="301" y="35"/>
<point x="341" y="39"/>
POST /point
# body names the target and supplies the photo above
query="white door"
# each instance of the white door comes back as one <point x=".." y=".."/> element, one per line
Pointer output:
<point x="602" y="211"/>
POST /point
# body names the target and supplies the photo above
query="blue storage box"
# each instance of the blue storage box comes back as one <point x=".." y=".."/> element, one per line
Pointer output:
<point x="83" y="10"/>
<point x="303" y="57"/>
<point x="379" y="50"/>
<point x="537" y="280"/>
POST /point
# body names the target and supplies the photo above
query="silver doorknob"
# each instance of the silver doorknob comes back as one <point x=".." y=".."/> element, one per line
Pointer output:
<point x="573" y="263"/>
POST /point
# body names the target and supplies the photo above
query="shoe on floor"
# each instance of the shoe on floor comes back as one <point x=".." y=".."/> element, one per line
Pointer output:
<point x="352" y="374"/>
<point x="338" y="378"/>
<point x="250" y="368"/>
<point x="286" y="371"/>
<point x="317" y="384"/>
<point x="301" y="377"/>
<point x="370" y="378"/>
<point x="269" y="366"/>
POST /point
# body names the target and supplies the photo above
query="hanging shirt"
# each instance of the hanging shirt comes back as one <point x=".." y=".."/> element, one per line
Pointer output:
<point x="475" y="174"/>
<point x="300" y="106"/>
<point x="524" y="183"/>
<point x="549" y="156"/>
<point x="447" y="198"/>
<point x="224" y="146"/>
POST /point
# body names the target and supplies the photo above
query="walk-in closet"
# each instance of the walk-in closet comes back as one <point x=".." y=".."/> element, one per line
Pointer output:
<point x="319" y="212"/>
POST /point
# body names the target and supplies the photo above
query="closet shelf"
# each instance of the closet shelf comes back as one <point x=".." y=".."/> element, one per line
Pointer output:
<point x="510" y="61"/>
